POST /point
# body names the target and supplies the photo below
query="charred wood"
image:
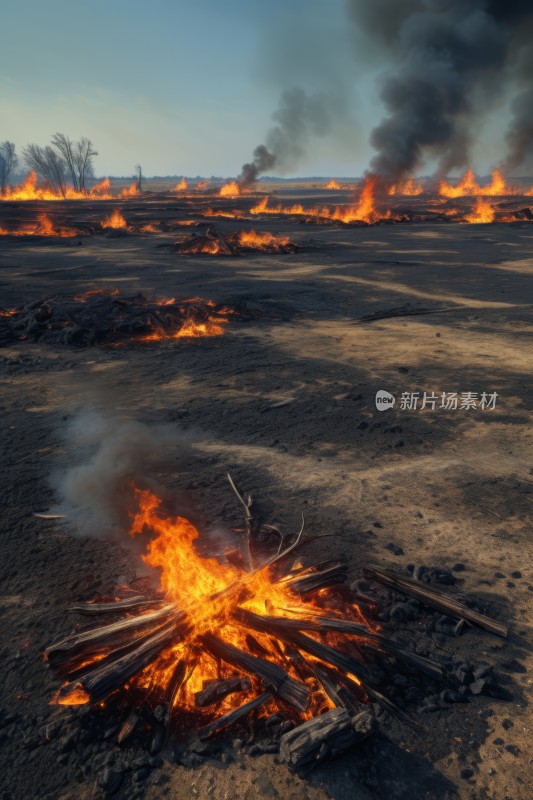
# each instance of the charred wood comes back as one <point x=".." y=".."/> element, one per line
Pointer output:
<point x="233" y="716"/>
<point x="327" y="735"/>
<point x="431" y="597"/>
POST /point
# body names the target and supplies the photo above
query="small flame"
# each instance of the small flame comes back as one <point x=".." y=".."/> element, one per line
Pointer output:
<point x="182" y="186"/>
<point x="130" y="191"/>
<point x="202" y="186"/>
<point x="114" y="220"/>
<point x="333" y="184"/>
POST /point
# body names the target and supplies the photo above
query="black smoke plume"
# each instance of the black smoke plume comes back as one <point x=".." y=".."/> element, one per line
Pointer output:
<point x="298" y="118"/>
<point x="444" y="53"/>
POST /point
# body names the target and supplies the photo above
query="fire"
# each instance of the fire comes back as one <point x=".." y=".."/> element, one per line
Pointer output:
<point x="202" y="186"/>
<point x="211" y="212"/>
<point x="262" y="240"/>
<point x="182" y="186"/>
<point x="101" y="190"/>
<point x="43" y="227"/>
<point x="130" y="191"/>
<point x="188" y="579"/>
<point x="149" y="227"/>
<point x="29" y="190"/>
<point x="230" y="189"/>
<point x="482" y="212"/>
<point x="114" y="220"/>
<point x="408" y="188"/>
<point x="333" y="184"/>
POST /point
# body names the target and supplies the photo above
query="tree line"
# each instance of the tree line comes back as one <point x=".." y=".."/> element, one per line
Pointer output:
<point x="59" y="164"/>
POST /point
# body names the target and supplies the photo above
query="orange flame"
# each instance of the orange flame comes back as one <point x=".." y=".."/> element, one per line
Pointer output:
<point x="262" y="240"/>
<point x="482" y="212"/>
<point x="202" y="186"/>
<point x="408" y="188"/>
<point x="114" y="220"/>
<point x="363" y="211"/>
<point x="28" y="190"/>
<point x="130" y="191"/>
<point x="333" y="184"/>
<point x="188" y="579"/>
<point x="182" y="186"/>
<point x="468" y="186"/>
<point x="230" y="189"/>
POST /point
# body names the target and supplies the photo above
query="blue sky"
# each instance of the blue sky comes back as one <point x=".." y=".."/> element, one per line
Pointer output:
<point x="184" y="87"/>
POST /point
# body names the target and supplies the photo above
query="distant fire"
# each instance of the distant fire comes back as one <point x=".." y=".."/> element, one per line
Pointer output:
<point x="182" y="186"/>
<point x="43" y="227"/>
<point x="202" y="186"/>
<point x="468" y="186"/>
<point x="148" y="227"/>
<point x="231" y="189"/>
<point x="130" y="191"/>
<point x="115" y="221"/>
<point x="333" y="184"/>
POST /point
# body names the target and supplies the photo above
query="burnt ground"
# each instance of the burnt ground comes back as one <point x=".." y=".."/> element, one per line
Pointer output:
<point x="286" y="403"/>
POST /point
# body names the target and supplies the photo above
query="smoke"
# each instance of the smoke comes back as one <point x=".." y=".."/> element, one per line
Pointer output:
<point x="519" y="137"/>
<point x="298" y="118"/>
<point x="444" y="53"/>
<point x="105" y="453"/>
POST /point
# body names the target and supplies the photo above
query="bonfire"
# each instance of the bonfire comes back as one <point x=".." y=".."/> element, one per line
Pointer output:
<point x="250" y="631"/>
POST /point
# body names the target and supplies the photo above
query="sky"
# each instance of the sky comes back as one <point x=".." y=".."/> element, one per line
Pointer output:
<point x="188" y="86"/>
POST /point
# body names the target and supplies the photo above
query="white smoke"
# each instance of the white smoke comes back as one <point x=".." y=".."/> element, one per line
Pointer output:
<point x="106" y="453"/>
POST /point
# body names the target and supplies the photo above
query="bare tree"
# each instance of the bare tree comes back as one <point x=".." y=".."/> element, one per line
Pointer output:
<point x="139" y="177"/>
<point x="48" y="165"/>
<point x="8" y="162"/>
<point x="83" y="157"/>
<point x="78" y="158"/>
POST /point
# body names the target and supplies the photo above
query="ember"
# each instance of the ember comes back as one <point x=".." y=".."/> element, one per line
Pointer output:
<point x="102" y="316"/>
<point x="180" y="649"/>
<point x="233" y="244"/>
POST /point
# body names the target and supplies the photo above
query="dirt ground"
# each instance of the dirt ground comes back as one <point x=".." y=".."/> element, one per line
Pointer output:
<point x="286" y="403"/>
